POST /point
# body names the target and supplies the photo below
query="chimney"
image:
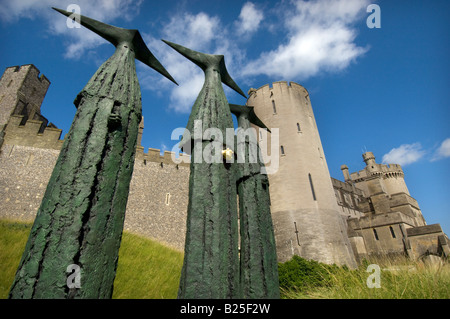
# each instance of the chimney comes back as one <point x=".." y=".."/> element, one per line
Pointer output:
<point x="344" y="170"/>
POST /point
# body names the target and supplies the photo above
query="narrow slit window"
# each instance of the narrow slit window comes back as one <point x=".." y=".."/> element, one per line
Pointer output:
<point x="298" y="127"/>
<point x="312" y="187"/>
<point x="274" y="107"/>
<point x="168" y="199"/>
<point x="375" y="234"/>
<point x="392" y="231"/>
<point x="282" y="150"/>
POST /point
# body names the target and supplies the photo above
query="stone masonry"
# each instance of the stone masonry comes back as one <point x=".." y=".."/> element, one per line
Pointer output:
<point x="374" y="214"/>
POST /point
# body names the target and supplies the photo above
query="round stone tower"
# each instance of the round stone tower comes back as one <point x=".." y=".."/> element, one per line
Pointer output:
<point x="304" y="210"/>
<point x="391" y="174"/>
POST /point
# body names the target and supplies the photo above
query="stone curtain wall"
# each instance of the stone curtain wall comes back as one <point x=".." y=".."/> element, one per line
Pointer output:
<point x="156" y="206"/>
<point x="24" y="174"/>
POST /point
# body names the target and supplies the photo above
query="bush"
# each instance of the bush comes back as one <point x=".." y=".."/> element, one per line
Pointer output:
<point x="300" y="274"/>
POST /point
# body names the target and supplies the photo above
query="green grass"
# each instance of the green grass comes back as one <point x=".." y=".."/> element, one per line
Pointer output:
<point x="150" y="270"/>
<point x="13" y="237"/>
<point x="146" y="269"/>
<point x="399" y="279"/>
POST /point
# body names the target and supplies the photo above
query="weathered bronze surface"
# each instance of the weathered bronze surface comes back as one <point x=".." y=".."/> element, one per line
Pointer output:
<point x="211" y="260"/>
<point x="258" y="256"/>
<point x="80" y="220"/>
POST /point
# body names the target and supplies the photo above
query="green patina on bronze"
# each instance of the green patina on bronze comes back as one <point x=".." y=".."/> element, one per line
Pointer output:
<point x="258" y="256"/>
<point x="211" y="260"/>
<point x="80" y="220"/>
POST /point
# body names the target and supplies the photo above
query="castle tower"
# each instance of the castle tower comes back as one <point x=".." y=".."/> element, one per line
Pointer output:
<point x="305" y="213"/>
<point x="389" y="177"/>
<point x="385" y="185"/>
<point x="22" y="91"/>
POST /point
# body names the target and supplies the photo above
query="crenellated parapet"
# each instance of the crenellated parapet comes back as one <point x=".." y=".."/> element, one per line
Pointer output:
<point x="36" y="134"/>
<point x="171" y="158"/>
<point x="32" y="133"/>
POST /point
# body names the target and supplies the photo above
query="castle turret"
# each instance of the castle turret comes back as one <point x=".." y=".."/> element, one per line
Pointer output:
<point x="304" y="209"/>
<point x="22" y="91"/>
<point x="391" y="176"/>
<point x="369" y="158"/>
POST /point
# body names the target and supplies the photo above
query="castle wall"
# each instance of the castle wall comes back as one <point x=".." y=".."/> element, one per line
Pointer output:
<point x="156" y="205"/>
<point x="383" y="234"/>
<point x="348" y="198"/>
<point x="428" y="239"/>
<point x="24" y="174"/>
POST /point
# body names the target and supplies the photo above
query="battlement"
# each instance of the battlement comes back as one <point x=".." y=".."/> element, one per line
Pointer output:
<point x="280" y="85"/>
<point x="154" y="155"/>
<point x="381" y="170"/>
<point x="373" y="169"/>
<point x="33" y="133"/>
<point x="25" y="69"/>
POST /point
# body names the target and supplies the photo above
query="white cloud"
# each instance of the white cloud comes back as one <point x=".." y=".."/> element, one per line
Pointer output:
<point x="249" y="19"/>
<point x="199" y="32"/>
<point x="443" y="151"/>
<point x="193" y="31"/>
<point x="404" y="154"/>
<point x="317" y="36"/>
<point x="320" y="37"/>
<point x="78" y="40"/>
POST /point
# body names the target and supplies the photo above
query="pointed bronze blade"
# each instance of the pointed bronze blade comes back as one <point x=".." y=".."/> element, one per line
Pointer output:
<point x="226" y="78"/>
<point x="204" y="60"/>
<point x="117" y="35"/>
<point x="250" y="112"/>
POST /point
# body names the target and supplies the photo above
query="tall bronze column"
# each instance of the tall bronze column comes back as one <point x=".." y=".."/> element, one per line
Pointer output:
<point x="211" y="260"/>
<point x="80" y="221"/>
<point x="258" y="255"/>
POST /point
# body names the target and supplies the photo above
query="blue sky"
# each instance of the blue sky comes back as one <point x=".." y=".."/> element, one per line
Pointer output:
<point x="384" y="90"/>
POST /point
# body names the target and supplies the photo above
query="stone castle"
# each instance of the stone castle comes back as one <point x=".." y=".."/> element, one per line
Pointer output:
<point x="370" y="213"/>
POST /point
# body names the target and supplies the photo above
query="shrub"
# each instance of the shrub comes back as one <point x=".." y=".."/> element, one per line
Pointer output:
<point x="300" y="274"/>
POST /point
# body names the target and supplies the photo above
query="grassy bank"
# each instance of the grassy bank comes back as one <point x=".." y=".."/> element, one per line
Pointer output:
<point x="150" y="270"/>
<point x="146" y="269"/>
<point x="398" y="279"/>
